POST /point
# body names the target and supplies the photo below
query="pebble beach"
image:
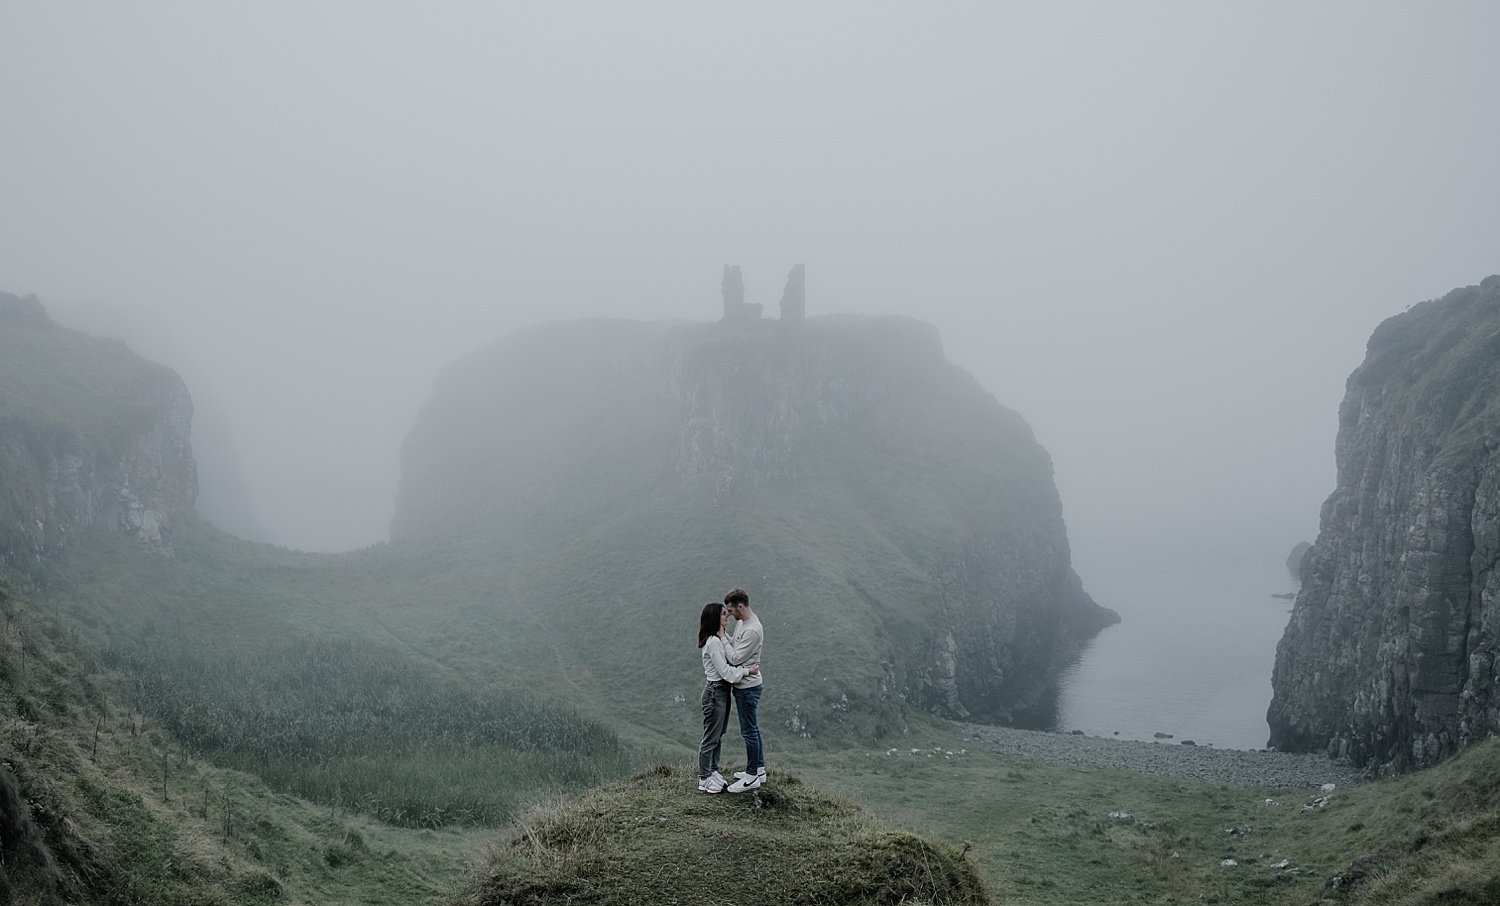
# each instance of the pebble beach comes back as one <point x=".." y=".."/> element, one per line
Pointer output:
<point x="1233" y="767"/>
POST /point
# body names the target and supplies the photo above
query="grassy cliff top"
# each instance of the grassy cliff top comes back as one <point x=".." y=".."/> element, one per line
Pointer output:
<point x="95" y="391"/>
<point x="1439" y="363"/>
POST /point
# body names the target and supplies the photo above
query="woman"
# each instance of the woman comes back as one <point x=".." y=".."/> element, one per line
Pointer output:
<point x="721" y="677"/>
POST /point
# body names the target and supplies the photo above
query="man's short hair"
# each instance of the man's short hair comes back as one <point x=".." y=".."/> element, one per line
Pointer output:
<point x="736" y="596"/>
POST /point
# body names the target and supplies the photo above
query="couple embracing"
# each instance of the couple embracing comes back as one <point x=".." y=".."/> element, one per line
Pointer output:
<point x="731" y="666"/>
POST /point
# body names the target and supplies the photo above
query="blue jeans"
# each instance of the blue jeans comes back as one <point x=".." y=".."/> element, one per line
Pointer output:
<point x="745" y="702"/>
<point x="715" y="722"/>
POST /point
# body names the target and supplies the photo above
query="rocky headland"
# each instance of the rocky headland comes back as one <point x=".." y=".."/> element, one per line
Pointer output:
<point x="1391" y="658"/>
<point x="862" y="480"/>
<point x="91" y="435"/>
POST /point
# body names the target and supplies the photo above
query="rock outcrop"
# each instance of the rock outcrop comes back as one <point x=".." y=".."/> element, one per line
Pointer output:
<point x="1294" y="559"/>
<point x="848" y="453"/>
<point x="91" y="435"/>
<point x="794" y="296"/>
<point x="1392" y="654"/>
<point x="732" y="288"/>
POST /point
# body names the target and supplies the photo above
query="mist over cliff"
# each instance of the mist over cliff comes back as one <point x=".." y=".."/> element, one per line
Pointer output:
<point x="91" y="435"/>
<point x="900" y="526"/>
<point x="1392" y="655"/>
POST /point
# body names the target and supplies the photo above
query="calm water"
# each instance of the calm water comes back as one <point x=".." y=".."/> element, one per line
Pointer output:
<point x="1192" y="656"/>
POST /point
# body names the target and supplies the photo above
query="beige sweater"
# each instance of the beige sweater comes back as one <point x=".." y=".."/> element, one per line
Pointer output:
<point x="743" y="648"/>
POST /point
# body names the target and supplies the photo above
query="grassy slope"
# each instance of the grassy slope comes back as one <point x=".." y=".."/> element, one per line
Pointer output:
<point x="1039" y="834"/>
<point x="1042" y="835"/>
<point x="117" y="812"/>
<point x="95" y="391"/>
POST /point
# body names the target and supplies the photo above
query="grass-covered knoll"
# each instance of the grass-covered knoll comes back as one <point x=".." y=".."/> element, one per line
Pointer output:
<point x="655" y="839"/>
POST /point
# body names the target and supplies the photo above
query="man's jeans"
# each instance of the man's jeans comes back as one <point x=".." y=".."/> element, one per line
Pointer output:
<point x="745" y="702"/>
<point x="715" y="721"/>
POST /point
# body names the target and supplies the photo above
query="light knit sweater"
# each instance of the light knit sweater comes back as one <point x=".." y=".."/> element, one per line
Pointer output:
<point x="744" y="648"/>
<point x="716" y="667"/>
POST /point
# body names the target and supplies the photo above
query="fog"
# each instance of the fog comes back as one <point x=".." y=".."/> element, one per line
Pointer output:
<point x="1162" y="232"/>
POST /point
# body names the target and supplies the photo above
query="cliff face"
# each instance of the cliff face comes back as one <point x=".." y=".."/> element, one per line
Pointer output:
<point x="844" y="463"/>
<point x="91" y="435"/>
<point x="1392" y="655"/>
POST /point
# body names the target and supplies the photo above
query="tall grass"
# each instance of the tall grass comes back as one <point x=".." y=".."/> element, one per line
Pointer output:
<point x="357" y="725"/>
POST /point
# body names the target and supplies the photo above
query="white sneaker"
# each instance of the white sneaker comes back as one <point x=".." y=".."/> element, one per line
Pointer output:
<point x="711" y="784"/>
<point x="719" y="778"/>
<point x="745" y="781"/>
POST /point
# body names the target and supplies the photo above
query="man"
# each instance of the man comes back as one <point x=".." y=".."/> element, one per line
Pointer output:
<point x="744" y="648"/>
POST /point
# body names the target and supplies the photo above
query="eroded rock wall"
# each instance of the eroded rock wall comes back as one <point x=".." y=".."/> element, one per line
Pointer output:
<point x="1392" y="654"/>
<point x="90" y="436"/>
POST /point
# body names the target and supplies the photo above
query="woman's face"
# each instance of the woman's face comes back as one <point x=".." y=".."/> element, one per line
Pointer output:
<point x="723" y="617"/>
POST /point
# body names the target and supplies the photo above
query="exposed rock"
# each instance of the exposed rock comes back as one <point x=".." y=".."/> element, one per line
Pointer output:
<point x="733" y="290"/>
<point x="1294" y="559"/>
<point x="91" y="435"/>
<point x="794" y="296"/>
<point x="1392" y="654"/>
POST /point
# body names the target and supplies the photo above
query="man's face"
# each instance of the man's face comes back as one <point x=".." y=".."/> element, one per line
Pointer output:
<point x="734" y="610"/>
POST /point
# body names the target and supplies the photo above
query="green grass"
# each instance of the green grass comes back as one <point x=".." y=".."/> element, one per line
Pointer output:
<point x="1436" y="361"/>
<point x="99" y="805"/>
<point x="162" y="743"/>
<point x="655" y="839"/>
<point x="1045" y="835"/>
<point x="358" y="725"/>
<point x="111" y="786"/>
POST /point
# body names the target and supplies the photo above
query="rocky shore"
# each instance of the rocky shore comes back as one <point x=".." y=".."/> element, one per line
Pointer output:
<point x="1233" y="767"/>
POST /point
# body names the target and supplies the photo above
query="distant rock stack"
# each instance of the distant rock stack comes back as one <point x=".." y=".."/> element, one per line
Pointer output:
<point x="1294" y="559"/>
<point x="794" y="297"/>
<point x="733" y="288"/>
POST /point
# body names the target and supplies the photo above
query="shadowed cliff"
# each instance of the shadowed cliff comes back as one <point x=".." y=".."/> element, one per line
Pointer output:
<point x="91" y="435"/>
<point x="1390" y="658"/>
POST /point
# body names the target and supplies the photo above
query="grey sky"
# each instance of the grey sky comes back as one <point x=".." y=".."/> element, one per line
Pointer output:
<point x="1160" y="231"/>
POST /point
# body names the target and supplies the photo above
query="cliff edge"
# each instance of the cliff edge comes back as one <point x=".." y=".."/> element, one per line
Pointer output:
<point x="91" y="435"/>
<point x="1392" y="655"/>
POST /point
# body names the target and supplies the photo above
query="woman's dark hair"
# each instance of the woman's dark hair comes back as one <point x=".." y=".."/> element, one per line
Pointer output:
<point x="708" y="621"/>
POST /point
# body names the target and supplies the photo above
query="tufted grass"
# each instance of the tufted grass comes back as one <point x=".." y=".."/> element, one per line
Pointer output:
<point x="359" y="726"/>
<point x="655" y="839"/>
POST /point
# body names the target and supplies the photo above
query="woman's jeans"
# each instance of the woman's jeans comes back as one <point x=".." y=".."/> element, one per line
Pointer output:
<point x="745" y="702"/>
<point x="715" y="721"/>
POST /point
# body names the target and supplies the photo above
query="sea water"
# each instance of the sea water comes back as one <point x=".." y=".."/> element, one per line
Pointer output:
<point x="1192" y="656"/>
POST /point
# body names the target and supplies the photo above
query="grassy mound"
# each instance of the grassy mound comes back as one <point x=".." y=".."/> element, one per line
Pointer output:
<point x="655" y="839"/>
